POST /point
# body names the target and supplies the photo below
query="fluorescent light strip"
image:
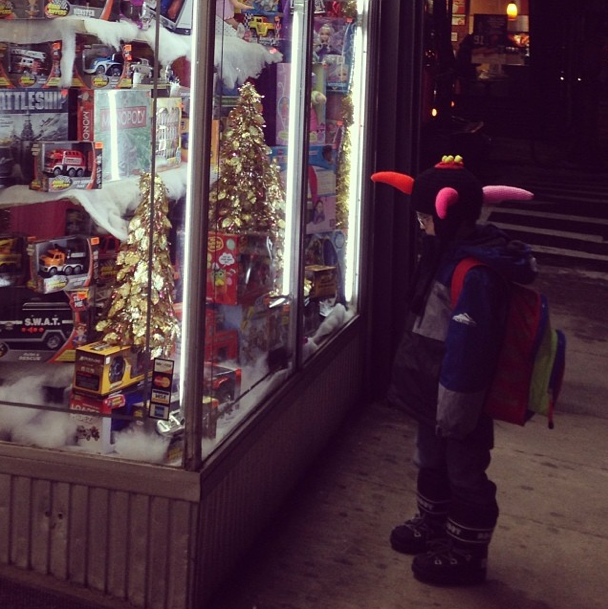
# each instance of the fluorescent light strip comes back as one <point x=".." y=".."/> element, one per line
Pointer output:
<point x="357" y="134"/>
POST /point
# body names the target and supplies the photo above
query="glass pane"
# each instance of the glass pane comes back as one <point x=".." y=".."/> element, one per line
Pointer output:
<point x="91" y="178"/>
<point x="334" y="145"/>
<point x="252" y="234"/>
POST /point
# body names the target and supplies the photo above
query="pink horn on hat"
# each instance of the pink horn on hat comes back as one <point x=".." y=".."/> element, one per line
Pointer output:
<point x="401" y="181"/>
<point x="445" y="198"/>
<point x="495" y="194"/>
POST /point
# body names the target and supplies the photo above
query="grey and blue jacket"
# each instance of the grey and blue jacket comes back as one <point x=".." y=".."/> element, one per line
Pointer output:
<point x="447" y="356"/>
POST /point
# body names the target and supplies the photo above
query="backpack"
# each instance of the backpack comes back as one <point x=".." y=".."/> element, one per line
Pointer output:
<point x="531" y="362"/>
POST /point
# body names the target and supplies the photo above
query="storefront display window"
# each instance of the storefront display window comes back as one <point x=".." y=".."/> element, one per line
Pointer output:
<point x="94" y="215"/>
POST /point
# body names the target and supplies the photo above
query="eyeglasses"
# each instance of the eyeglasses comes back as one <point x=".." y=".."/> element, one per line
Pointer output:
<point x="423" y="219"/>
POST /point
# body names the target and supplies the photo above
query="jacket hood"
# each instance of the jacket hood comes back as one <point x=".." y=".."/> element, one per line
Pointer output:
<point x="511" y="258"/>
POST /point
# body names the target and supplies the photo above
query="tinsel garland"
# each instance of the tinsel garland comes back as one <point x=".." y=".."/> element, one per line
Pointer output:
<point x="128" y="321"/>
<point x="248" y="196"/>
<point x="344" y="161"/>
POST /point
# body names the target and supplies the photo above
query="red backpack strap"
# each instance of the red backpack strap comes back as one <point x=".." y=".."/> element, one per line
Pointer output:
<point x="462" y="268"/>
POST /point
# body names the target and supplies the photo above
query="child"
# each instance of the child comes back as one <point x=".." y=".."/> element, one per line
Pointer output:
<point x="444" y="364"/>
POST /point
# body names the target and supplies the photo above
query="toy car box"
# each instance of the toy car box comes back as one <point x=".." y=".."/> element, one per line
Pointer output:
<point x="28" y="116"/>
<point x="92" y="9"/>
<point x="62" y="166"/>
<point x="240" y="268"/>
<point x="101" y="368"/>
<point x="30" y="65"/>
<point x="122" y="121"/>
<point x="64" y="263"/>
<point x="49" y="328"/>
<point x="101" y="66"/>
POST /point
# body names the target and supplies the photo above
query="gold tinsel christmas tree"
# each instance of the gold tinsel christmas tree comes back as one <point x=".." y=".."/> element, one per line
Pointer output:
<point x="248" y="196"/>
<point x="128" y="321"/>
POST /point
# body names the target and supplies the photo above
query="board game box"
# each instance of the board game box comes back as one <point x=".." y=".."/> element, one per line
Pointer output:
<point x="28" y="116"/>
<point x="121" y="119"/>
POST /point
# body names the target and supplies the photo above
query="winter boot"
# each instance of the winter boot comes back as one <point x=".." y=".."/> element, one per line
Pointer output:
<point x="461" y="559"/>
<point x="415" y="534"/>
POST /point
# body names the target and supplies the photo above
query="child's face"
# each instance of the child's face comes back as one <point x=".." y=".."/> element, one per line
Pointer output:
<point x="426" y="222"/>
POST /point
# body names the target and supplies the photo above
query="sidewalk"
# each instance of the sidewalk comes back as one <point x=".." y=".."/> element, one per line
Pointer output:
<point x="330" y="550"/>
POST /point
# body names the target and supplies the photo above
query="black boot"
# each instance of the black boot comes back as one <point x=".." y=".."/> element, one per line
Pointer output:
<point x="415" y="534"/>
<point x="461" y="559"/>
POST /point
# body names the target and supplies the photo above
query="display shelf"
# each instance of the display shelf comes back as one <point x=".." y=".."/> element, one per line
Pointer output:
<point x="110" y="206"/>
<point x="170" y="46"/>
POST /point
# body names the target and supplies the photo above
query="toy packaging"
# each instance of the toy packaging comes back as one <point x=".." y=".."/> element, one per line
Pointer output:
<point x="240" y="268"/>
<point x="60" y="166"/>
<point x="22" y="9"/>
<point x="317" y="105"/>
<point x="175" y="15"/>
<point x="322" y="281"/>
<point x="121" y="120"/>
<point x="221" y="342"/>
<point x="168" y="132"/>
<point x="31" y="65"/>
<point x="95" y="9"/>
<point x="49" y="218"/>
<point x="13" y="260"/>
<point x="101" y="368"/>
<point x="49" y="328"/>
<point x="328" y="249"/>
<point x="333" y="41"/>
<point x="27" y="116"/>
<point x="101" y="66"/>
<point x="64" y="263"/>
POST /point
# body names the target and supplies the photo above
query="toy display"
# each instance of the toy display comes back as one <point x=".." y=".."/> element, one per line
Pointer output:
<point x="75" y="262"/>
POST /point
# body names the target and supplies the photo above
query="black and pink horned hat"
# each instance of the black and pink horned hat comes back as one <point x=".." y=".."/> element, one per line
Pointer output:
<point x="450" y="193"/>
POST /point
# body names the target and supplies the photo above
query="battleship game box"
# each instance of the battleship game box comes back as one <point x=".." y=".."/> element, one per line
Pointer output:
<point x="28" y="116"/>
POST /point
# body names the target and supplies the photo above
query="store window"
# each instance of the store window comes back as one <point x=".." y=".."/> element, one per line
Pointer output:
<point x="95" y="156"/>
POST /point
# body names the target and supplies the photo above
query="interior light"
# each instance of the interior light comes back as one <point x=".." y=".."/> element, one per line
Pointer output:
<point x="512" y="10"/>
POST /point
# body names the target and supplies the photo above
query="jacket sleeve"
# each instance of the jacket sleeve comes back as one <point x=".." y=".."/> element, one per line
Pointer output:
<point x="472" y="345"/>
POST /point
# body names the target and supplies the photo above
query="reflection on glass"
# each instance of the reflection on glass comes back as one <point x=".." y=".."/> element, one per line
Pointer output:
<point x="248" y="344"/>
<point x="331" y="209"/>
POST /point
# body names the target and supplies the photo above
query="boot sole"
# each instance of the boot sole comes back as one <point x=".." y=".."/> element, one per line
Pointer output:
<point x="473" y="579"/>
